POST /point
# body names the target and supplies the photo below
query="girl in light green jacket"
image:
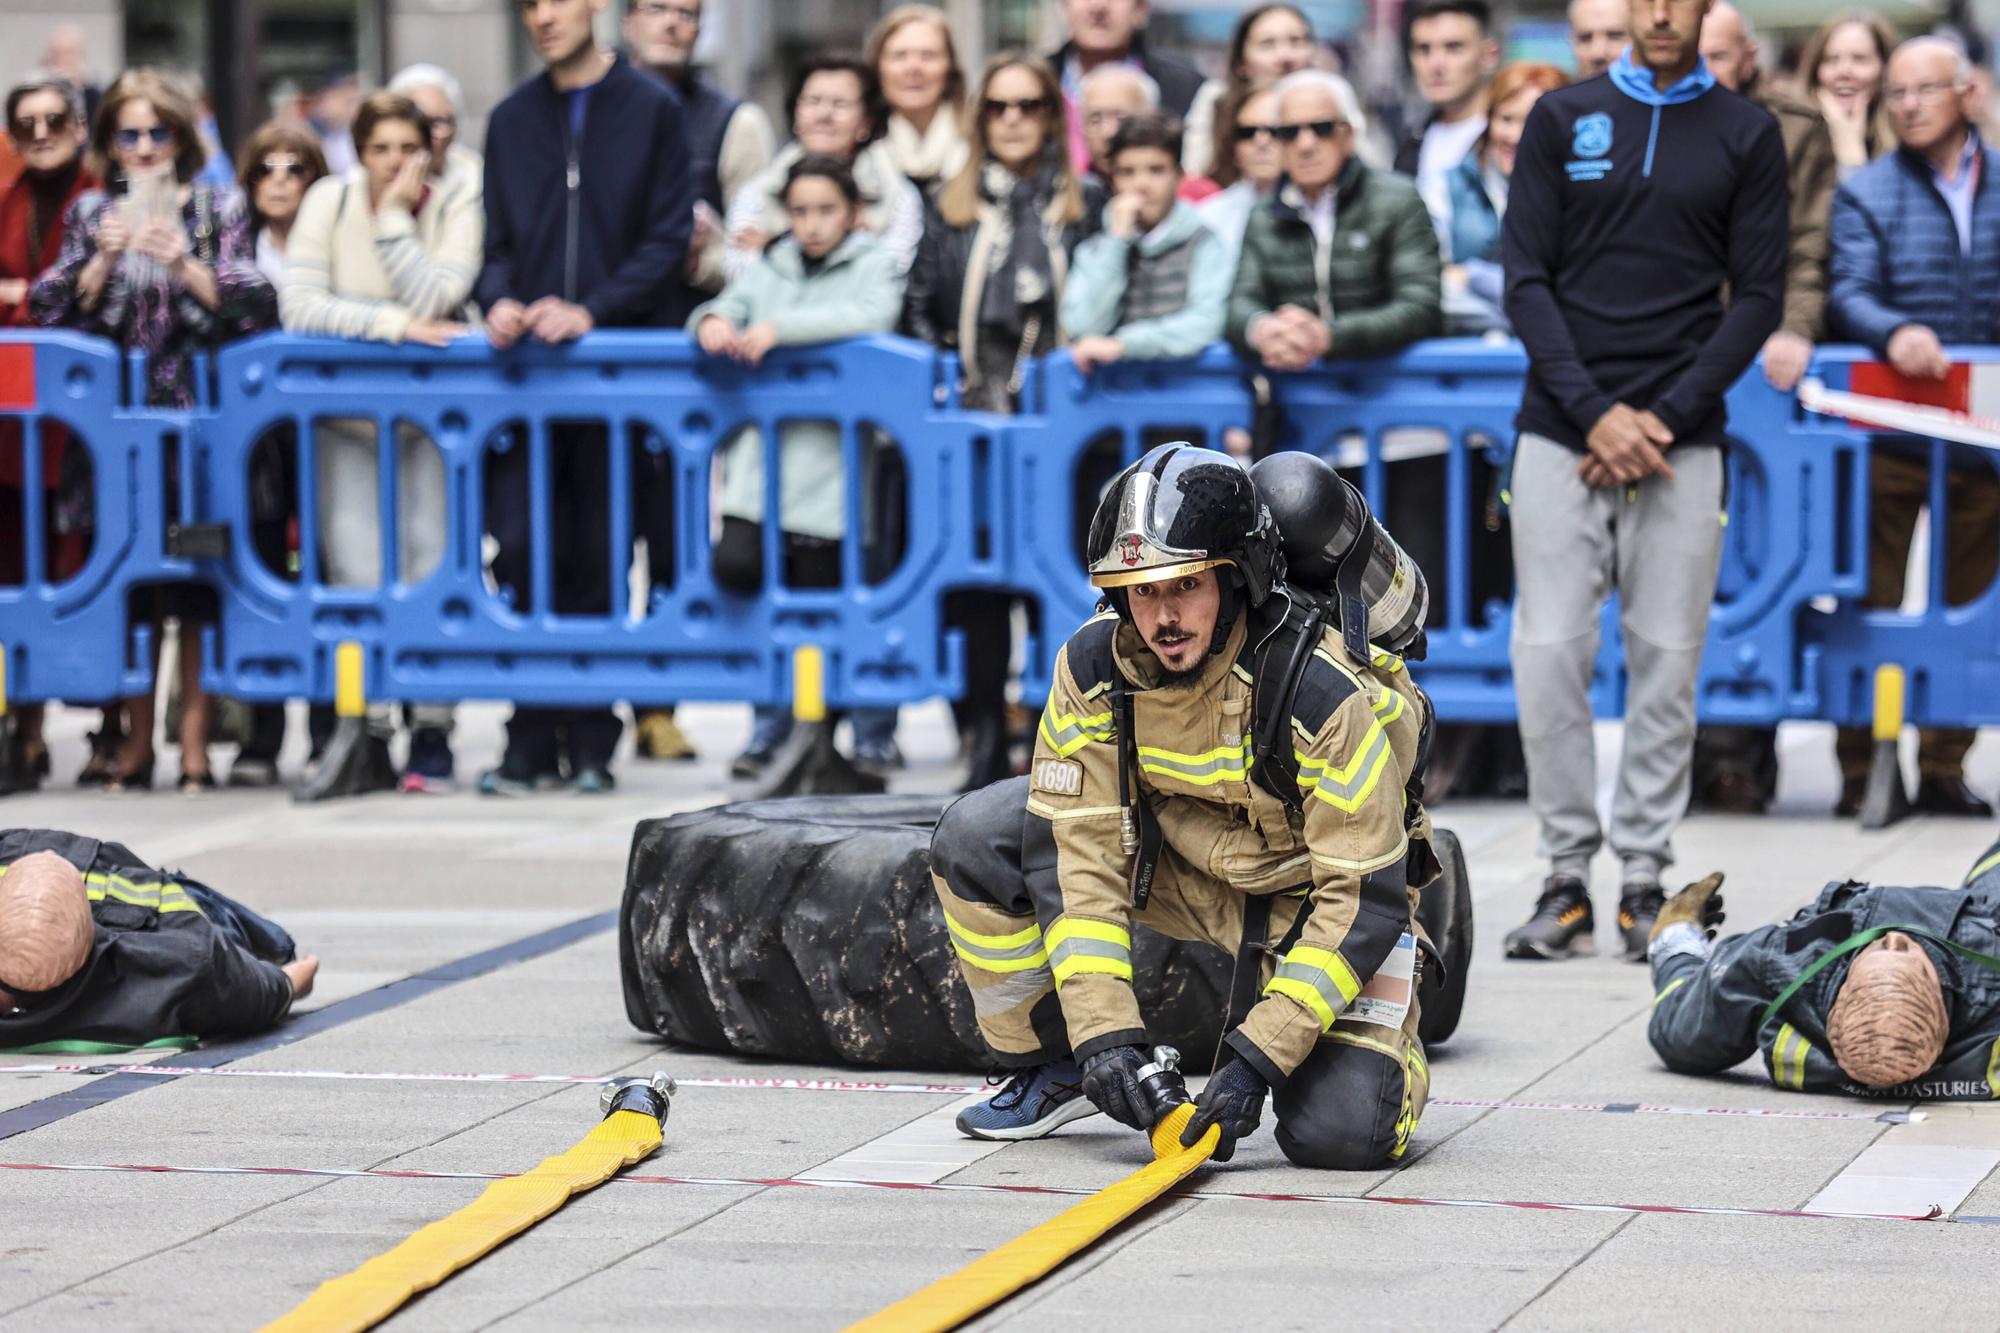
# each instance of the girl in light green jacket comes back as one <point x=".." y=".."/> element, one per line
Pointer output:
<point x="823" y="281"/>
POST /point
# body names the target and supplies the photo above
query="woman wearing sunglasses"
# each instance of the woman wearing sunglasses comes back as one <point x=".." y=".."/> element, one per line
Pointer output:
<point x="1249" y="173"/>
<point x="45" y="127"/>
<point x="159" y="265"/>
<point x="987" y="283"/>
<point x="279" y="164"/>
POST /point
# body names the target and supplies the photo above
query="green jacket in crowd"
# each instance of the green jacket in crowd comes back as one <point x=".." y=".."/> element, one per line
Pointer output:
<point x="854" y="291"/>
<point x="1376" y="285"/>
<point x="1162" y="294"/>
<point x="1716" y="1005"/>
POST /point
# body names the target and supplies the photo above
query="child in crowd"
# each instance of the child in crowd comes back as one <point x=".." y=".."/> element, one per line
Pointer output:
<point x="1154" y="284"/>
<point x="823" y="281"/>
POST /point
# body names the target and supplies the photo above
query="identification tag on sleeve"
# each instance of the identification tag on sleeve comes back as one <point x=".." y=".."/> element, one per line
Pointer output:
<point x="1058" y="777"/>
<point x="1385" y="1000"/>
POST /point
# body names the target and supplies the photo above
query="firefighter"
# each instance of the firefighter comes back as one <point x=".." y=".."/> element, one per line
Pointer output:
<point x="96" y="945"/>
<point x="1873" y="990"/>
<point x="1216" y="767"/>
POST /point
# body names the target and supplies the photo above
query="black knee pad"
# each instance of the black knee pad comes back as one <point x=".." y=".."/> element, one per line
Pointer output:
<point x="1339" y="1111"/>
<point x="980" y="833"/>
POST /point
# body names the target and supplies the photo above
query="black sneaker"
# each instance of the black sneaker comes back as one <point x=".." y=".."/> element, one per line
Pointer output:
<point x="752" y="762"/>
<point x="1639" y="905"/>
<point x="1562" y="923"/>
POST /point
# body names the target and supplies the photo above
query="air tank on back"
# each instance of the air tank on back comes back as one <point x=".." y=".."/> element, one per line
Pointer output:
<point x="1322" y="518"/>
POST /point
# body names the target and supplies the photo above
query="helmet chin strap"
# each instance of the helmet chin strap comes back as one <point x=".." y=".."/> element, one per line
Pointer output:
<point x="1230" y="586"/>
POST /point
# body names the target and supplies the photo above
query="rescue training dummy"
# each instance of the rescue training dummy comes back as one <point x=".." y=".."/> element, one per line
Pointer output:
<point x="96" y="945"/>
<point x="1219" y="762"/>
<point x="1873" y="990"/>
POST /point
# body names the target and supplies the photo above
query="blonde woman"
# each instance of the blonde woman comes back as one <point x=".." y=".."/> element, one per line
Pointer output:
<point x="916" y="61"/>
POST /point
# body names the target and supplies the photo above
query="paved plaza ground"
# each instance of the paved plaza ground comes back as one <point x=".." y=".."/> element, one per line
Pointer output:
<point x="390" y="888"/>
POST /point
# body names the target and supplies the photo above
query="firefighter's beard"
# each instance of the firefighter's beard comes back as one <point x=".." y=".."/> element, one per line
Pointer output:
<point x="1182" y="654"/>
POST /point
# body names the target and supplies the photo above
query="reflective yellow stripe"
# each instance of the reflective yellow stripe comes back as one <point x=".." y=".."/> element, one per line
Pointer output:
<point x="1990" y="863"/>
<point x="1346" y="788"/>
<point x="1672" y="986"/>
<point x="159" y="895"/>
<point x="1071" y="732"/>
<point x="1021" y="951"/>
<point x="1789" y="1050"/>
<point x="1223" y="764"/>
<point x="1319" y="979"/>
<point x="1390" y="706"/>
<point x="1993" y="1068"/>
<point x="1387" y="662"/>
<point x="1078" y="945"/>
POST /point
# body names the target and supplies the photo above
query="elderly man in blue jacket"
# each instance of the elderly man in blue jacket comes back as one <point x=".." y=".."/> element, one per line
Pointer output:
<point x="589" y="201"/>
<point x="1916" y="265"/>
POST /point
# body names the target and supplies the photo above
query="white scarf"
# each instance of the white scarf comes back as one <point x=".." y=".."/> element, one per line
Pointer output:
<point x="938" y="153"/>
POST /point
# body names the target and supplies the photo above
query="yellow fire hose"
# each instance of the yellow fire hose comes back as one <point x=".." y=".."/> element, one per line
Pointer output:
<point x="635" y="1113"/>
<point x="985" y="1282"/>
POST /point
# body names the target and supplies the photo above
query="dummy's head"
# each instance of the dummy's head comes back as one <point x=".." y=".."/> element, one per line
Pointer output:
<point x="1888" y="1023"/>
<point x="45" y="925"/>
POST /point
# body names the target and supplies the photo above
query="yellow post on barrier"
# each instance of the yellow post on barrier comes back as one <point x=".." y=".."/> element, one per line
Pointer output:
<point x="350" y="699"/>
<point x="3" y="680"/>
<point x="1885" y="799"/>
<point x="1888" y="720"/>
<point x="985" y="1282"/>
<point x="809" y="683"/>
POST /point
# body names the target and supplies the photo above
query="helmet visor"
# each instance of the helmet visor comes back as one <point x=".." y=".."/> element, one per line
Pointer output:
<point x="1148" y="537"/>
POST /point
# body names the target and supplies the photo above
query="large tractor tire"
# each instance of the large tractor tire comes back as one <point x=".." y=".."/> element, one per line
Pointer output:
<point x="1446" y="914"/>
<point x="807" y="929"/>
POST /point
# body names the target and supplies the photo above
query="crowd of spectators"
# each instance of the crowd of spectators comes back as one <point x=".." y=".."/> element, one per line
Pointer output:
<point x="1105" y="199"/>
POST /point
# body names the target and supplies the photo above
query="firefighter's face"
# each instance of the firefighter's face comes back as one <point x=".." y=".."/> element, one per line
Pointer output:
<point x="1176" y="617"/>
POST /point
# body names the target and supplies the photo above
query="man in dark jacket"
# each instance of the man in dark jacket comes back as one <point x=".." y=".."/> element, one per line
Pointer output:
<point x="1736" y="768"/>
<point x="1916" y="265"/>
<point x="1343" y="262"/>
<point x="1107" y="32"/>
<point x="1635" y="199"/>
<point x="588" y="210"/>
<point x="96" y="945"/>
<point x="1874" y="990"/>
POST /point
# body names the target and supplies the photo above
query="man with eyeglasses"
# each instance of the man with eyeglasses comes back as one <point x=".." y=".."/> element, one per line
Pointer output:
<point x="1916" y="265"/>
<point x="46" y="129"/>
<point x="589" y="204"/>
<point x="1113" y="32"/>
<point x="1635" y="200"/>
<point x="729" y="140"/>
<point x="437" y="94"/>
<point x="1343" y="262"/>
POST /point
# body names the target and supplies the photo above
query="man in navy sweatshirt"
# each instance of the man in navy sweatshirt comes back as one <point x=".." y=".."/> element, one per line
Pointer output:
<point x="1635" y="198"/>
<point x="589" y="203"/>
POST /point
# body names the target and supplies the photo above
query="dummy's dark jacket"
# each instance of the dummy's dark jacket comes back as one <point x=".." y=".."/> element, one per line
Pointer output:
<point x="171" y="956"/>
<point x="1708" y="1016"/>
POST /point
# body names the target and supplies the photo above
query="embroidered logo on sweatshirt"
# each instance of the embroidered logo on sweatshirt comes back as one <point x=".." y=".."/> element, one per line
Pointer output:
<point x="1590" y="144"/>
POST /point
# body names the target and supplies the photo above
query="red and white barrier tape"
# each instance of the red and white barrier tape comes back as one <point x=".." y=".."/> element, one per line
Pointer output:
<point x="947" y="1187"/>
<point x="1940" y="423"/>
<point x="933" y="1089"/>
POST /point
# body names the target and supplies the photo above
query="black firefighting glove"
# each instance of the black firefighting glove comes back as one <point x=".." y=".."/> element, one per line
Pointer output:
<point x="1111" y="1081"/>
<point x="1697" y="905"/>
<point x="1234" y="1100"/>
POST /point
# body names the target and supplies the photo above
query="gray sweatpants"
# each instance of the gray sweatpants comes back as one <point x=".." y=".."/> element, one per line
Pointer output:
<point x="1658" y="544"/>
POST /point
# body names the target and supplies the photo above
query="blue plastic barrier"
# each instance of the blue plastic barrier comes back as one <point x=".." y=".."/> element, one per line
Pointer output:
<point x="989" y="502"/>
<point x="76" y="638"/>
<point x="453" y="635"/>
